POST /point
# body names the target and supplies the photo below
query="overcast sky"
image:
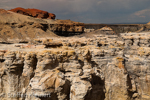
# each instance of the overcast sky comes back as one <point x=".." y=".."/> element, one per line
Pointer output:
<point x="89" y="11"/>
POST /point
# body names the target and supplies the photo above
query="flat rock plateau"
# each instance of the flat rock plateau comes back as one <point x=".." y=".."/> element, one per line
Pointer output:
<point x="50" y="59"/>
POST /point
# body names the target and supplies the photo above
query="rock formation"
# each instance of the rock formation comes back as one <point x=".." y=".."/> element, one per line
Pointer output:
<point x="34" y="13"/>
<point x="120" y="28"/>
<point x="18" y="27"/>
<point x="102" y="67"/>
<point x="90" y="66"/>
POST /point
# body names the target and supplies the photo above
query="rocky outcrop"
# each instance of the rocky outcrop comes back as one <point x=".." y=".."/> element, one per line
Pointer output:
<point x="102" y="67"/>
<point x="67" y="27"/>
<point x="34" y="13"/>
<point x="18" y="27"/>
<point x="120" y="28"/>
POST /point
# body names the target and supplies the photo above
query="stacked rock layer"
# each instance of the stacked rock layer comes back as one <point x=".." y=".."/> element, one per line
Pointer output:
<point x="103" y="67"/>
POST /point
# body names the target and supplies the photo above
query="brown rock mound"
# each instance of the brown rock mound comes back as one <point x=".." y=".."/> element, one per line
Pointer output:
<point x="34" y="13"/>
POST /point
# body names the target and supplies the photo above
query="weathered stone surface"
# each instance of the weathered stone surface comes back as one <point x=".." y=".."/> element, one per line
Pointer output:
<point x="103" y="67"/>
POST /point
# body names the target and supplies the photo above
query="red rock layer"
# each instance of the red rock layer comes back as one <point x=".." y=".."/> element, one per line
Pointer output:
<point x="34" y="13"/>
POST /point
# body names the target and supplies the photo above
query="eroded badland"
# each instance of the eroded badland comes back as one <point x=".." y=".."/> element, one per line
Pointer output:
<point x="37" y="59"/>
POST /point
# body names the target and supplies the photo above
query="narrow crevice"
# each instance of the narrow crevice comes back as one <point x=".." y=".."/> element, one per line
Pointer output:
<point x="98" y="87"/>
<point x="34" y="67"/>
<point x="2" y="60"/>
<point x="130" y="91"/>
<point x="66" y="90"/>
<point x="53" y="46"/>
<point x="45" y="27"/>
<point x="24" y="42"/>
<point x="5" y="43"/>
<point x="81" y="63"/>
<point x="35" y="63"/>
<point x="132" y="41"/>
<point x="129" y="85"/>
<point x="18" y="70"/>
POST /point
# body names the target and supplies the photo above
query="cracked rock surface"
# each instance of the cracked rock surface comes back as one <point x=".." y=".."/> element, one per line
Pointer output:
<point x="103" y="67"/>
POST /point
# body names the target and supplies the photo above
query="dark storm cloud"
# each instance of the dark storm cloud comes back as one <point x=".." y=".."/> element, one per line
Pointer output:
<point x="89" y="11"/>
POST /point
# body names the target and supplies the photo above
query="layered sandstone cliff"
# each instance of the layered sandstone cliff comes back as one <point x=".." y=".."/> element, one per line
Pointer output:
<point x="102" y="67"/>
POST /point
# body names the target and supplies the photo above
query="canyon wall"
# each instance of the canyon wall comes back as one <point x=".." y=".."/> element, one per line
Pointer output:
<point x="102" y="67"/>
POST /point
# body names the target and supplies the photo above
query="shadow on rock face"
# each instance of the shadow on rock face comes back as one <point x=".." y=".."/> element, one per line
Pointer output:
<point x="97" y="92"/>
